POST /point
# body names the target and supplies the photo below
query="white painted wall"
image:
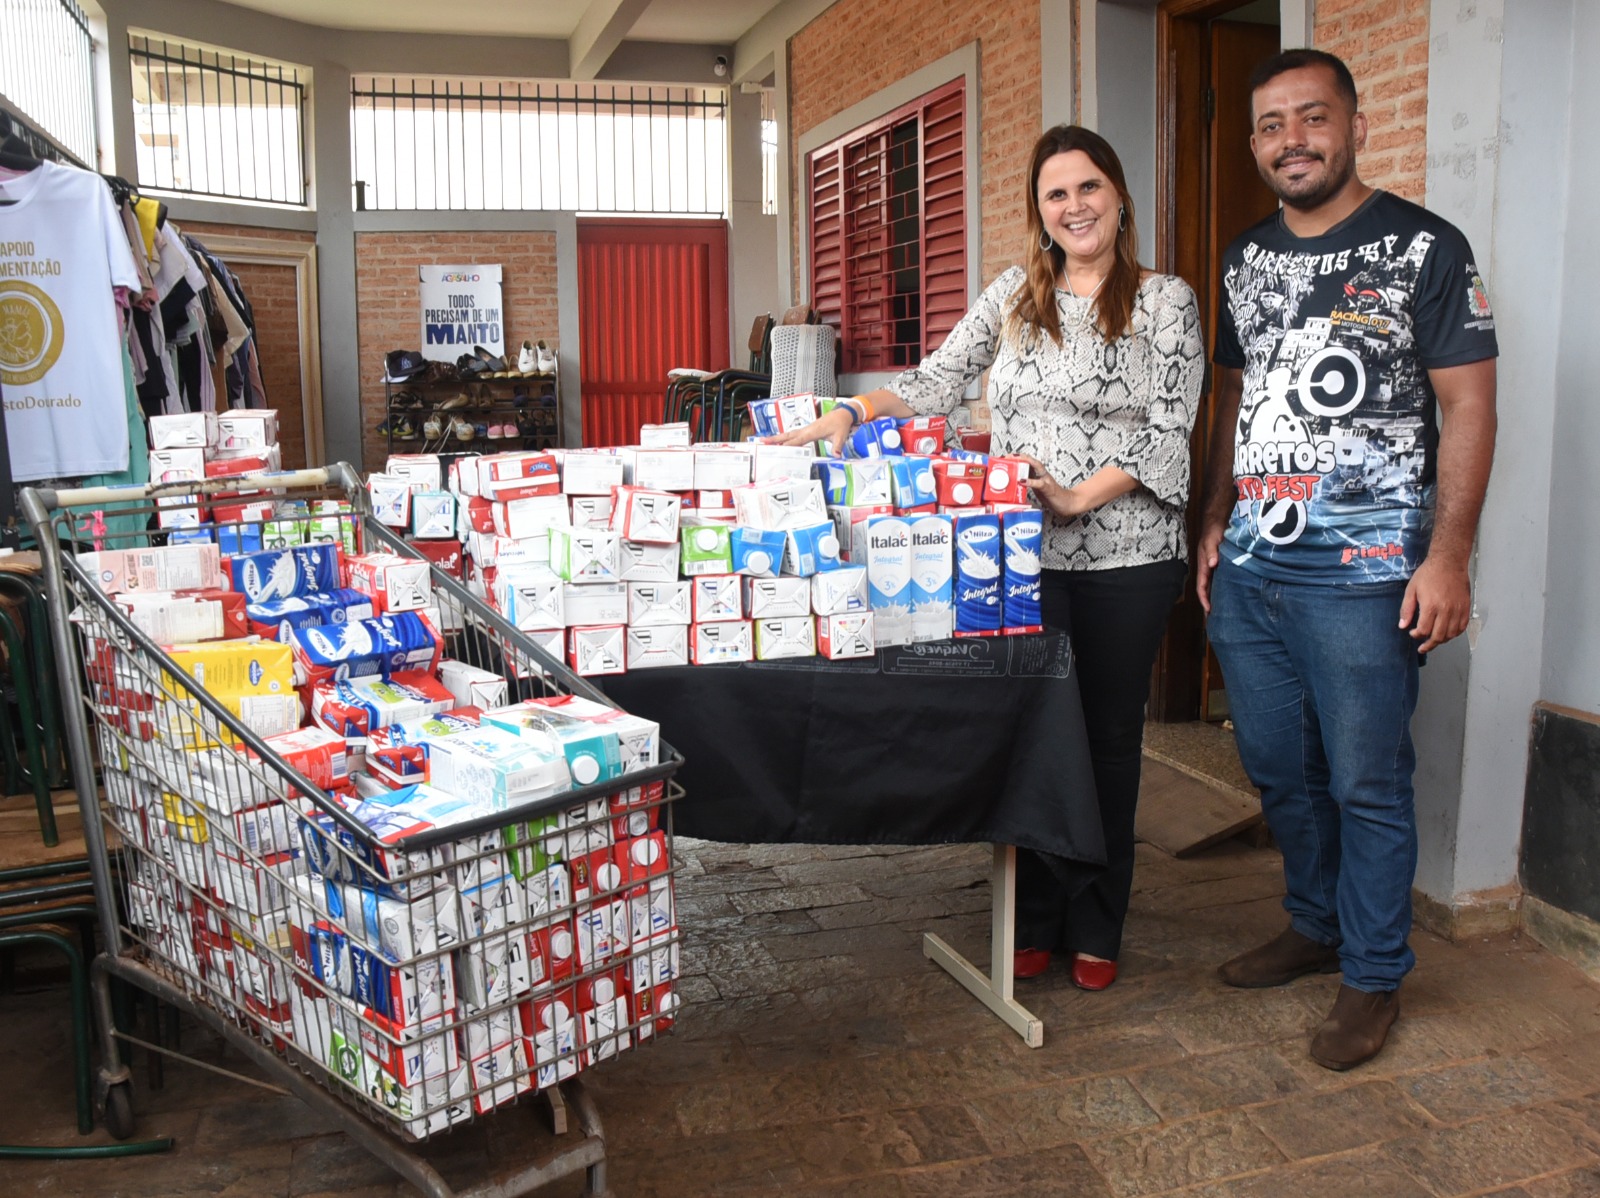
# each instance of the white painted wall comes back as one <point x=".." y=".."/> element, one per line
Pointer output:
<point x="1125" y="74"/>
<point x="752" y="237"/>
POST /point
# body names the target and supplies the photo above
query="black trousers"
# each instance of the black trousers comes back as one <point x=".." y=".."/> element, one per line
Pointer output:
<point x="1116" y="619"/>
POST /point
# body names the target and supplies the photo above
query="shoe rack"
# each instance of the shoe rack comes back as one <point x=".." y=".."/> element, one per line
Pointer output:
<point x="530" y="404"/>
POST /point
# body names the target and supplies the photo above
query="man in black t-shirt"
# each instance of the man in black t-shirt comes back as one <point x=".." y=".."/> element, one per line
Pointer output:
<point x="1338" y="525"/>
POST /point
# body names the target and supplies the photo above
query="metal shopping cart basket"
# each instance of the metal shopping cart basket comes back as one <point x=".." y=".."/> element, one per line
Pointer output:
<point x="403" y="970"/>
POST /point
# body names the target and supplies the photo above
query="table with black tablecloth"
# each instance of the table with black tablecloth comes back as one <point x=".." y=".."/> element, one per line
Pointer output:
<point x="967" y="740"/>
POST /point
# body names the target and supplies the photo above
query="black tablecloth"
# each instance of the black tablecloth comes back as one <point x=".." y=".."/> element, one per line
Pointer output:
<point x="954" y="741"/>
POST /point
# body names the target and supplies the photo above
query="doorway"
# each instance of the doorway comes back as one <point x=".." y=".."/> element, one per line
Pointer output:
<point x="1207" y="192"/>
<point x="652" y="297"/>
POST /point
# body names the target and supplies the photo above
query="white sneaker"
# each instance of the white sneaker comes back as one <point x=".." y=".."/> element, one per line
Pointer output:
<point x="526" y="362"/>
<point x="546" y="359"/>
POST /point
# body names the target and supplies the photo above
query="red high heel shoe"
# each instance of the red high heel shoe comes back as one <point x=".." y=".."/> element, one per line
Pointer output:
<point x="1093" y="975"/>
<point x="1029" y="962"/>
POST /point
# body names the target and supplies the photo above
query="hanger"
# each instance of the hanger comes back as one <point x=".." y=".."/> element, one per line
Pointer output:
<point x="17" y="154"/>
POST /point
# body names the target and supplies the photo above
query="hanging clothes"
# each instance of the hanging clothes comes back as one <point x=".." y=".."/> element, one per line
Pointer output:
<point x="63" y="249"/>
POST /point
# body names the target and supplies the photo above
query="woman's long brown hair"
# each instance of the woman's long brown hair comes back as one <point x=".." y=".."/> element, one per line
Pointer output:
<point x="1034" y="305"/>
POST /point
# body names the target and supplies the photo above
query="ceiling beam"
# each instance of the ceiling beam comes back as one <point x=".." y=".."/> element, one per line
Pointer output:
<point x="600" y="31"/>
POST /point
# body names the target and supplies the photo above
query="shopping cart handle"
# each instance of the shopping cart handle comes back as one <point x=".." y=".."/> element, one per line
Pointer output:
<point x="338" y="474"/>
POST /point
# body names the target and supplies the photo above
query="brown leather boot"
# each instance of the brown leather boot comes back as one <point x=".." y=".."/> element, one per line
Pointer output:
<point x="1286" y="956"/>
<point x="1356" y="1028"/>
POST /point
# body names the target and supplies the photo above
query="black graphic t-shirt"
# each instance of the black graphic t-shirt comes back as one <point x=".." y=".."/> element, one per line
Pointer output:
<point x="1334" y="450"/>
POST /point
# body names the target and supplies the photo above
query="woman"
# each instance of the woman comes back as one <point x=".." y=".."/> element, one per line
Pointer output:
<point x="1095" y="368"/>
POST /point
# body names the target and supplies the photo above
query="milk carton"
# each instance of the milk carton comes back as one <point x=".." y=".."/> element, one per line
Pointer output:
<point x="1023" y="535"/>
<point x="647" y="516"/>
<point x="433" y="514"/>
<point x="790" y="636"/>
<point x="716" y="597"/>
<point x="605" y="603"/>
<point x="721" y="468"/>
<point x="590" y="511"/>
<point x="841" y="590"/>
<point x="658" y="645"/>
<point x="883" y="545"/>
<point x="585" y="554"/>
<point x="932" y="596"/>
<point x="602" y="650"/>
<point x="649" y="563"/>
<point x="1006" y="481"/>
<point x="707" y="549"/>
<point x="977" y="575"/>
<point x="724" y="641"/>
<point x="958" y="483"/>
<point x="770" y="462"/>
<point x="767" y="598"/>
<point x="912" y="484"/>
<point x="664" y="436"/>
<point x="757" y="551"/>
<point x="847" y="634"/>
<point x="530" y="597"/>
<point x="655" y="604"/>
<point x="809" y="551"/>
<point x="923" y="434"/>
<point x="876" y="439"/>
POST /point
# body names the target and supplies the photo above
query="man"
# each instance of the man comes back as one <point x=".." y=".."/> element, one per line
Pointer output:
<point x="1338" y="527"/>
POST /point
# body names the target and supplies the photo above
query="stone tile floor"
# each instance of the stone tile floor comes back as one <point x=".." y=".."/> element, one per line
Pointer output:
<point x="822" y="1055"/>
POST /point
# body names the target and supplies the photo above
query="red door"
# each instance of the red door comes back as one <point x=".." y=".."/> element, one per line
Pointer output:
<point x="652" y="296"/>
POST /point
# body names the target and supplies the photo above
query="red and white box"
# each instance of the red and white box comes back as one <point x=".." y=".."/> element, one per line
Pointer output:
<point x="959" y="484"/>
<point x="648" y="517"/>
<point x="845" y="634"/>
<point x="553" y="1033"/>
<point x="715" y="597"/>
<point x="395" y="583"/>
<point x="474" y="513"/>
<point x="586" y="472"/>
<point x="603" y="650"/>
<point x="654" y="604"/>
<point x="506" y="476"/>
<point x="657" y="645"/>
<point x="529" y="516"/>
<point x="1006" y="481"/>
<point x="444" y="554"/>
<point x="923" y="435"/>
<point x="241" y="462"/>
<point x="169" y="619"/>
<point x="555" y="945"/>
<point x="316" y="753"/>
<point x="782" y="504"/>
<point x="769" y="598"/>
<point x="658" y="469"/>
<point x="247" y="429"/>
<point x="793" y="636"/>
<point x="725" y="641"/>
<point x="650" y="1009"/>
<point x="185" y="430"/>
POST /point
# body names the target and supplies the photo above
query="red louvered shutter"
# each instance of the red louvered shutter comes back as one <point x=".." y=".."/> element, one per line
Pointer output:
<point x="888" y="232"/>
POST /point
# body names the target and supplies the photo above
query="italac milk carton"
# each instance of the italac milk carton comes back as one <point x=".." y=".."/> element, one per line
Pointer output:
<point x="977" y="575"/>
<point x="883" y="545"/>
<point x="1023" y="534"/>
<point x="932" y="573"/>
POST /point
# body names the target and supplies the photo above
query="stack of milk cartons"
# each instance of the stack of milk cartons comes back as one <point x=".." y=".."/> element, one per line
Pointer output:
<point x="194" y="446"/>
<point x="411" y="498"/>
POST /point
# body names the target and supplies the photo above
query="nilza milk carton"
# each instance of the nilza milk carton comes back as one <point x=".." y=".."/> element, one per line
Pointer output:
<point x="932" y="571"/>
<point x="977" y="575"/>
<point x="1023" y="535"/>
<point x="883" y="545"/>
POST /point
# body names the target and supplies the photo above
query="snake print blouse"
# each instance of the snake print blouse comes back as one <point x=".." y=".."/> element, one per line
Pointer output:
<point x="1083" y="405"/>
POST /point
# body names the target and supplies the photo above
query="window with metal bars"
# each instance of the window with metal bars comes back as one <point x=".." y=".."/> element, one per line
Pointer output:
<point x="211" y="122"/>
<point x="47" y="72"/>
<point x="887" y="219"/>
<point x="538" y="146"/>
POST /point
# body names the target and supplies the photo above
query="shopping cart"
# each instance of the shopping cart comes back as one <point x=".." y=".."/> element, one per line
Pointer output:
<point x="403" y="978"/>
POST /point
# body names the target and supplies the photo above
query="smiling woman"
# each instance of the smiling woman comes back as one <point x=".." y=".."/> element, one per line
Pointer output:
<point x="1094" y="369"/>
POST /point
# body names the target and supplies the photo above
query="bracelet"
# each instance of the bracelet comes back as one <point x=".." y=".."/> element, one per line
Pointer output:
<point x="868" y="412"/>
<point x="856" y="414"/>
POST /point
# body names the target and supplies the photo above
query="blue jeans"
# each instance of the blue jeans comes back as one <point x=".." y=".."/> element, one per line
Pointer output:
<point x="1321" y="686"/>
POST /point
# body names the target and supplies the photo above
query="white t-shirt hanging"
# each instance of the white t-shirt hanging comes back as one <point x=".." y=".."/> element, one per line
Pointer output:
<point x="62" y="250"/>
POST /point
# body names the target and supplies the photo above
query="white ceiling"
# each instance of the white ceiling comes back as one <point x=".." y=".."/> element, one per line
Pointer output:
<point x="703" y="21"/>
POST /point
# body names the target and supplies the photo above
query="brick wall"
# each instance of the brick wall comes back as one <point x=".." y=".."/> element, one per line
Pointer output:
<point x="388" y="310"/>
<point x="1385" y="42"/>
<point x="859" y="47"/>
<point x="271" y="292"/>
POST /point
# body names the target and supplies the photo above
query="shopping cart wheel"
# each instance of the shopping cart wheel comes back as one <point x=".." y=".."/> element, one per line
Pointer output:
<point x="119" y="1110"/>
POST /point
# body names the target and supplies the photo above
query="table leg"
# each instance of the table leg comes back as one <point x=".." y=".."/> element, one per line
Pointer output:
<point x="993" y="989"/>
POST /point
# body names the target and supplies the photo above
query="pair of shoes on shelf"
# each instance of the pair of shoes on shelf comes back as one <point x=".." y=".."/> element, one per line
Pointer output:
<point x="503" y="430"/>
<point x="536" y="359"/>
<point x="407" y="400"/>
<point x="398" y="426"/>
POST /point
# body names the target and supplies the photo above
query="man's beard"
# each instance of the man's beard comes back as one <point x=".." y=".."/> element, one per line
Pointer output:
<point x="1304" y="194"/>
